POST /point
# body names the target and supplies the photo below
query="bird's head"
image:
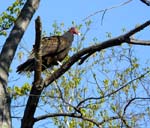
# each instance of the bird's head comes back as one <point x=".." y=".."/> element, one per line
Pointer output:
<point x="74" y="30"/>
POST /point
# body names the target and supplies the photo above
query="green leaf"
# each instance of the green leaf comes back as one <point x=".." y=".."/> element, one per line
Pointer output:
<point x="115" y="83"/>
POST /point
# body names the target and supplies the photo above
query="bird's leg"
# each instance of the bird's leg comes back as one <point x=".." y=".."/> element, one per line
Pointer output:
<point x="59" y="63"/>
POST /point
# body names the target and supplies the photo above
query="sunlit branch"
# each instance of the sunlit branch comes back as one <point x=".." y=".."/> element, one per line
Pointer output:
<point x="138" y="42"/>
<point x="64" y="101"/>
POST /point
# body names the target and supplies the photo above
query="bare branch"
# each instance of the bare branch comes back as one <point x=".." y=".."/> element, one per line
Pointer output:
<point x="137" y="41"/>
<point x="92" y="49"/>
<point x="133" y="99"/>
<point x="64" y="101"/>
<point x="84" y="58"/>
<point x="28" y="118"/>
<point x="137" y="29"/>
<point x="38" y="53"/>
<point x="104" y="10"/>
<point x="68" y="115"/>
<point x="114" y="92"/>
<point x="147" y="2"/>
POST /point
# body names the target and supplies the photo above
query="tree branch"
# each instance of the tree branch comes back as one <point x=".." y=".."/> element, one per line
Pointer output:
<point x="38" y="53"/>
<point x="113" y="92"/>
<point x="133" y="99"/>
<point x="109" y="119"/>
<point x="137" y="41"/>
<point x="28" y="118"/>
<point x="68" y="115"/>
<point x="147" y="2"/>
<point x="7" y="55"/>
<point x="106" y="9"/>
<point x="92" y="49"/>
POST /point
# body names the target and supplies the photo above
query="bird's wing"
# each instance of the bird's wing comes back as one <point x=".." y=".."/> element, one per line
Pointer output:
<point x="53" y="45"/>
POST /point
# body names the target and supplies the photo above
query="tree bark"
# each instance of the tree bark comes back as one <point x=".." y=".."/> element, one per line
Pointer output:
<point x="37" y="87"/>
<point x="7" y="55"/>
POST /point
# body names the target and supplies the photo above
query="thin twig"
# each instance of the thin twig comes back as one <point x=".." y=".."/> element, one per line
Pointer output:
<point x="104" y="10"/>
<point x="113" y="92"/>
<point x="133" y="99"/>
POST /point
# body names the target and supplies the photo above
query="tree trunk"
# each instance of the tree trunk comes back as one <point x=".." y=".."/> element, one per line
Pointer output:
<point x="7" y="55"/>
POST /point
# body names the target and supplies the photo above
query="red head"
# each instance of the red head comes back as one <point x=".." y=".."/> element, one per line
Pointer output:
<point x="74" y="30"/>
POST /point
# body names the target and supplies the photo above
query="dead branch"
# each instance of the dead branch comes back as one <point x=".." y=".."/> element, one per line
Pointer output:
<point x="104" y="10"/>
<point x="38" y="53"/>
<point x="28" y="118"/>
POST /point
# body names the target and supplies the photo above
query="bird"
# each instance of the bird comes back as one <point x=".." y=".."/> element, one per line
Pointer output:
<point x="54" y="49"/>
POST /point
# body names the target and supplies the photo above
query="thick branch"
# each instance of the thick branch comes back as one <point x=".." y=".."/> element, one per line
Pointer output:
<point x="28" y="118"/>
<point x="10" y="46"/>
<point x="7" y="55"/>
<point x="92" y="49"/>
<point x="137" y="29"/>
<point x="38" y="52"/>
<point x="147" y="2"/>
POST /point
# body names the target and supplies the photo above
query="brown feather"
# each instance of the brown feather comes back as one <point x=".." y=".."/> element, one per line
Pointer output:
<point x="54" y="48"/>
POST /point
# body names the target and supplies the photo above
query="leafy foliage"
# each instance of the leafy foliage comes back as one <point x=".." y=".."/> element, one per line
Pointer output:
<point x="8" y="17"/>
<point x="106" y="88"/>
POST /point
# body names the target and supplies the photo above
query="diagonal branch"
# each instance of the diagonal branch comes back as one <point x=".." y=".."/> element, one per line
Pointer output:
<point x="147" y="2"/>
<point x="133" y="99"/>
<point x="92" y="49"/>
<point x="104" y="10"/>
<point x="113" y="92"/>
<point x="76" y="57"/>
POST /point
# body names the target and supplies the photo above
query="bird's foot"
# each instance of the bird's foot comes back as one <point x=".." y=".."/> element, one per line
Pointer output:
<point x="59" y="63"/>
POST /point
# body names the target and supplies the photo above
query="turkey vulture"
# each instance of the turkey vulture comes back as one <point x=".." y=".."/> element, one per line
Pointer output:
<point x="54" y="50"/>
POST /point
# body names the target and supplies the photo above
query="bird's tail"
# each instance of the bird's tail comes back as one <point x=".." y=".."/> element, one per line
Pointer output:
<point x="26" y="66"/>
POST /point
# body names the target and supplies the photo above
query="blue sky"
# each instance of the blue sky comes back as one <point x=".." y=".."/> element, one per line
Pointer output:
<point x="67" y="11"/>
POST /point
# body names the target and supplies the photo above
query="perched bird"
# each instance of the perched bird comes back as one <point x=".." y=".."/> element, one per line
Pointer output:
<point x="54" y="50"/>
